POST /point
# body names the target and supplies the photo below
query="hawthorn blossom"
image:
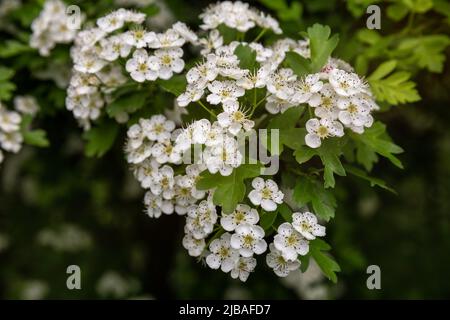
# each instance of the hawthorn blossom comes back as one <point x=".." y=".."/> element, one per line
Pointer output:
<point x="26" y="104"/>
<point x="281" y="266"/>
<point x="158" y="128"/>
<point x="210" y="43"/>
<point x="242" y="214"/>
<point x="248" y="239"/>
<point x="156" y="205"/>
<point x="305" y="88"/>
<point x="222" y="254"/>
<point x="139" y="66"/>
<point x="200" y="219"/>
<point x="163" y="182"/>
<point x="170" y="39"/>
<point x="306" y="224"/>
<point x="345" y="83"/>
<point x="243" y="267"/>
<point x="222" y="91"/>
<point x="138" y="38"/>
<point x="165" y="62"/>
<point x="290" y="242"/>
<point x="234" y="119"/>
<point x="194" y="246"/>
<point x="224" y="157"/>
<point x="266" y="194"/>
<point x="321" y="129"/>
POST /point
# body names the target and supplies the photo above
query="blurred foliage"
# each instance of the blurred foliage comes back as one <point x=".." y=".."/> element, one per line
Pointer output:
<point x="50" y="191"/>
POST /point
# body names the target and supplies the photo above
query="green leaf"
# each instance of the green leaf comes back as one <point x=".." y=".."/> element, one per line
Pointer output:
<point x="424" y="51"/>
<point x="419" y="6"/>
<point x="329" y="152"/>
<point x="325" y="261"/>
<point x="100" y="139"/>
<point x="363" y="175"/>
<point x="300" y="65"/>
<point x="266" y="219"/>
<point x="365" y="155"/>
<point x="285" y="212"/>
<point x="310" y="191"/>
<point x="247" y="57"/>
<point x="383" y="70"/>
<point x="229" y="190"/>
<point x="150" y="10"/>
<point x="36" y="138"/>
<point x="290" y="136"/>
<point x="6" y="73"/>
<point x="321" y="45"/>
<point x="397" y="11"/>
<point x="128" y="103"/>
<point x="378" y="140"/>
<point x="175" y="85"/>
<point x="13" y="48"/>
<point x="6" y="87"/>
<point x="395" y="88"/>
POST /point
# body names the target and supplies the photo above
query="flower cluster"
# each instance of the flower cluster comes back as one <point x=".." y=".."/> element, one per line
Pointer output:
<point x="51" y="27"/>
<point x="98" y="54"/>
<point x="170" y="157"/>
<point x="11" y="137"/>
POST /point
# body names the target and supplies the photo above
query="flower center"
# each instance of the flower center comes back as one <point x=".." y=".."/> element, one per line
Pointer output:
<point x="239" y="216"/>
<point x="166" y="59"/>
<point x="143" y="67"/>
<point x="266" y="193"/>
<point x="291" y="240"/>
<point x="352" y="108"/>
<point x="248" y="240"/>
<point x="238" y="116"/>
<point x="322" y="131"/>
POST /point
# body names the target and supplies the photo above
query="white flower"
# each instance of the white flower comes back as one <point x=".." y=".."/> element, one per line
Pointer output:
<point x="345" y="83"/>
<point x="185" y="194"/>
<point x="321" y="129"/>
<point x="138" y="38"/>
<point x="88" y="62"/>
<point x="233" y="118"/>
<point x="170" y="39"/>
<point x="145" y="171"/>
<point x="114" y="47"/>
<point x="222" y="254"/>
<point x="243" y="267"/>
<point x="276" y="105"/>
<point x="222" y="91"/>
<point x="290" y="242"/>
<point x="26" y="104"/>
<point x="194" y="246"/>
<point x="9" y="120"/>
<point x="200" y="219"/>
<point x="281" y="83"/>
<point x="11" y="141"/>
<point x="164" y="152"/>
<point x="163" y="182"/>
<point x="242" y="214"/>
<point x="139" y="67"/>
<point x="325" y="103"/>
<point x="201" y="74"/>
<point x="212" y="42"/>
<point x="111" y="22"/>
<point x="183" y="30"/>
<point x="355" y="112"/>
<point x="223" y="157"/>
<point x="306" y="224"/>
<point x="167" y="61"/>
<point x="157" y="205"/>
<point x="248" y="239"/>
<point x="193" y="93"/>
<point x="266" y="194"/>
<point x="137" y="155"/>
<point x="305" y="88"/>
<point x="158" y="128"/>
<point x="262" y="53"/>
<point x="279" y="264"/>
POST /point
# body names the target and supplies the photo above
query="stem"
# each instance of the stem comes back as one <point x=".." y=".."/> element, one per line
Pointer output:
<point x="256" y="105"/>
<point x="206" y="108"/>
<point x="263" y="31"/>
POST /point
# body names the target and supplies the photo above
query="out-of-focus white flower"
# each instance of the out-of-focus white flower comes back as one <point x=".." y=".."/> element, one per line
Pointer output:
<point x="242" y="214"/>
<point x="249" y="239"/>
<point x="281" y="266"/>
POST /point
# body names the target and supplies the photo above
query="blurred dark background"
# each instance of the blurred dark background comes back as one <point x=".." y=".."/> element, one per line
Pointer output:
<point x="58" y="207"/>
